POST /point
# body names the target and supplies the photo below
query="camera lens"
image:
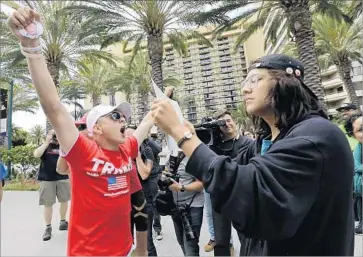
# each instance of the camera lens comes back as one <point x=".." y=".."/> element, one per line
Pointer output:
<point x="188" y="229"/>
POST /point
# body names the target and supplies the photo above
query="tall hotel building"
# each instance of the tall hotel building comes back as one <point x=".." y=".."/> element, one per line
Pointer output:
<point x="211" y="76"/>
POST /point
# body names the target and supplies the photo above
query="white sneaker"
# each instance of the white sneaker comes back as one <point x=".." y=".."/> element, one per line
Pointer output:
<point x="159" y="236"/>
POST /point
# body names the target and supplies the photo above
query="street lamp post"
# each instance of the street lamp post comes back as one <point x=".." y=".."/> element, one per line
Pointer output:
<point x="9" y="121"/>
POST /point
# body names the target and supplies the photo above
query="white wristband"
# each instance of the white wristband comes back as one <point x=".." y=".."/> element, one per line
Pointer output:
<point x="31" y="49"/>
<point x="31" y="56"/>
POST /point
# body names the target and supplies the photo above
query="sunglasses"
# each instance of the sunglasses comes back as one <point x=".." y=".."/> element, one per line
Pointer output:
<point x="116" y="116"/>
<point x="82" y="127"/>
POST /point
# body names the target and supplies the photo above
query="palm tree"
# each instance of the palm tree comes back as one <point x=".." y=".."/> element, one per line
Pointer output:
<point x="37" y="134"/>
<point x="337" y="43"/>
<point x="25" y="99"/>
<point x="70" y="93"/>
<point x="94" y="77"/>
<point x="299" y="23"/>
<point x="241" y="118"/>
<point x="137" y="78"/>
<point x="136" y="20"/>
<point x="20" y="136"/>
<point x="61" y="44"/>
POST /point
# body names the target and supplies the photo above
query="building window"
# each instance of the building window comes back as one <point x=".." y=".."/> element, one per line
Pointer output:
<point x="358" y="70"/>
<point x="340" y="89"/>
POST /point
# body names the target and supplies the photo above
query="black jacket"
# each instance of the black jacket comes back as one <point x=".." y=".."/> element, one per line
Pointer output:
<point x="297" y="196"/>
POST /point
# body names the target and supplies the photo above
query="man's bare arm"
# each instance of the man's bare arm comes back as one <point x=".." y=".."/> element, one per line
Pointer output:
<point x="53" y="108"/>
<point x="62" y="166"/>
<point x="148" y="122"/>
<point x="143" y="129"/>
<point x="40" y="150"/>
<point x="55" y="111"/>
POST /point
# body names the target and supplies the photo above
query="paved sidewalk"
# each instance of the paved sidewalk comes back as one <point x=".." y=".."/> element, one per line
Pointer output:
<point x="22" y="228"/>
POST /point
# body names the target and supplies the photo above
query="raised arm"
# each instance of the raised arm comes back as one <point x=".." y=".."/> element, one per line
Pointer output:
<point x="144" y="167"/>
<point x="48" y="97"/>
<point x="62" y="166"/>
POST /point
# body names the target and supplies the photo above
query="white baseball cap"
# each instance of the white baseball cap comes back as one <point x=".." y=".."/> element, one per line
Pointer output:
<point x="102" y="110"/>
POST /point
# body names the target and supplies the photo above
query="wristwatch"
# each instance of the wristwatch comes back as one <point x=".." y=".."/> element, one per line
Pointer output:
<point x="182" y="188"/>
<point x="187" y="135"/>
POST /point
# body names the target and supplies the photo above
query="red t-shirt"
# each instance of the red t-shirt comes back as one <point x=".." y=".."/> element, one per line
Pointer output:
<point x="101" y="205"/>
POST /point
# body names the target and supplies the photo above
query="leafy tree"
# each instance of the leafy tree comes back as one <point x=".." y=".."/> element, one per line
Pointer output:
<point x="37" y="135"/>
<point x="135" y="21"/>
<point x="60" y="42"/>
<point x="337" y="43"/>
<point x="22" y="159"/>
<point x="94" y="77"/>
<point x="137" y="78"/>
<point x="299" y="22"/>
<point x="20" y="137"/>
<point x="241" y="118"/>
<point x="70" y="93"/>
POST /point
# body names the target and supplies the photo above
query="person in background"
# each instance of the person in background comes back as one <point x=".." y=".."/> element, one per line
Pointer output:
<point x="52" y="184"/>
<point x="3" y="174"/>
<point x="144" y="163"/>
<point x="164" y="155"/>
<point x="354" y="128"/>
<point x="347" y="110"/>
<point x="155" y="175"/>
<point x="188" y="194"/>
<point x="249" y="134"/>
<point x="220" y="227"/>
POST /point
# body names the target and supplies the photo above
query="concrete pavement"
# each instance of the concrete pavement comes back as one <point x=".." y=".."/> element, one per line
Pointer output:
<point x="22" y="228"/>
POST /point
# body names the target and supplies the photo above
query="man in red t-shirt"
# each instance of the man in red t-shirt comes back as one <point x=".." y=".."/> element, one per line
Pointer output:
<point x="100" y="168"/>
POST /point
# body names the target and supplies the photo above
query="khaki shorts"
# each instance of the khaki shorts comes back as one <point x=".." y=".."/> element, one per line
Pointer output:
<point x="50" y="190"/>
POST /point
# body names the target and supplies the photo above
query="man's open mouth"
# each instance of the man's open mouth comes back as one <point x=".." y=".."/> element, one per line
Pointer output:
<point x="122" y="130"/>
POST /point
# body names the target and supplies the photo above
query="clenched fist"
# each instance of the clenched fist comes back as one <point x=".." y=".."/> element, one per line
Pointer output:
<point x="24" y="18"/>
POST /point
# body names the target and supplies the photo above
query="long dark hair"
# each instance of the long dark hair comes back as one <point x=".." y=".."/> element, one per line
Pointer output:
<point x="290" y="102"/>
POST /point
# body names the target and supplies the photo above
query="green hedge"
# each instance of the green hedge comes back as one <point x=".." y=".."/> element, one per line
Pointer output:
<point x="19" y="186"/>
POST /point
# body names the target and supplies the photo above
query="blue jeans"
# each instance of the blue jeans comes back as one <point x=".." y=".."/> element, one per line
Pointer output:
<point x="209" y="216"/>
<point x="189" y="248"/>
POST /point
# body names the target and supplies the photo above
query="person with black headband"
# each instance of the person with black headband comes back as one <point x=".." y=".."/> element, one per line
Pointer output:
<point x="292" y="189"/>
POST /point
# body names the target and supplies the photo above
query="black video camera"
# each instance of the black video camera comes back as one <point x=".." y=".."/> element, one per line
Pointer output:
<point x="208" y="131"/>
<point x="174" y="162"/>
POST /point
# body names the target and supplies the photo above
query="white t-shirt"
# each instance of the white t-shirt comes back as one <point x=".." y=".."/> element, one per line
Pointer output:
<point x="164" y="155"/>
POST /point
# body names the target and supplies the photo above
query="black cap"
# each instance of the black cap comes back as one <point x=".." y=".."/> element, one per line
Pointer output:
<point x="284" y="63"/>
<point x="347" y="106"/>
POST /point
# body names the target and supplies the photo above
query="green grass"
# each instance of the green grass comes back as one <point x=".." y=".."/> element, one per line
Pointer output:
<point x="18" y="186"/>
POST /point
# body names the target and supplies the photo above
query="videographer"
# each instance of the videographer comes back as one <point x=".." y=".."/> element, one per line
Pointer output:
<point x="52" y="184"/>
<point x="230" y="144"/>
<point x="189" y="199"/>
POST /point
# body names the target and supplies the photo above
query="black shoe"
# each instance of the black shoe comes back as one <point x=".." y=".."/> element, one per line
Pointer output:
<point x="358" y="229"/>
<point x="63" y="225"/>
<point x="47" y="234"/>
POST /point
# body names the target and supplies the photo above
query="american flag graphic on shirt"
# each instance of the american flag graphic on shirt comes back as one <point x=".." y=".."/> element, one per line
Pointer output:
<point x="115" y="183"/>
